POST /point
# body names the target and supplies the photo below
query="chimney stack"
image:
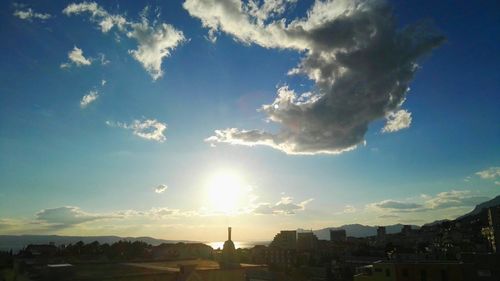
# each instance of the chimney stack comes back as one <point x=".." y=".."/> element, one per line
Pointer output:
<point x="229" y="233"/>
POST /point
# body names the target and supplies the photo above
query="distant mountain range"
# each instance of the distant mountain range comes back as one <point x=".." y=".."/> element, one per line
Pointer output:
<point x="357" y="230"/>
<point x="17" y="242"/>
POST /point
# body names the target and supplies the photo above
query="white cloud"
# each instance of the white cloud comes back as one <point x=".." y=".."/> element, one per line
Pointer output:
<point x="284" y="206"/>
<point x="490" y="173"/>
<point x="77" y="58"/>
<point x="105" y="20"/>
<point x="149" y="129"/>
<point x="157" y="213"/>
<point x="29" y="15"/>
<point x="155" y="41"/>
<point x="67" y="216"/>
<point x="388" y="216"/>
<point x="349" y="209"/>
<point x="396" y="121"/>
<point x="89" y="98"/>
<point x="396" y="205"/>
<point x="360" y="61"/>
<point x="161" y="188"/>
<point x="454" y="198"/>
<point x="267" y="9"/>
<point x="442" y="200"/>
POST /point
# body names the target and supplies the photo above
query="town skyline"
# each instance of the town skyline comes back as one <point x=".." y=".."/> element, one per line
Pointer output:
<point x="174" y="120"/>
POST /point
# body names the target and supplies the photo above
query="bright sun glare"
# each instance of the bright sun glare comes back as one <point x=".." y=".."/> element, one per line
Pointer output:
<point x="225" y="192"/>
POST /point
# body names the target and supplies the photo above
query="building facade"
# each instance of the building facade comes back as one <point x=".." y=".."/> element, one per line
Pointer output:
<point x="338" y="235"/>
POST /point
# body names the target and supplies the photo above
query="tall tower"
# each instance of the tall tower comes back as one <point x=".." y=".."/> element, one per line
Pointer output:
<point x="229" y="259"/>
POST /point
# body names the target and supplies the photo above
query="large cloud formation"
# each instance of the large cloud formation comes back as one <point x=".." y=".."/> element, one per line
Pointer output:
<point x="155" y="41"/>
<point x="361" y="63"/>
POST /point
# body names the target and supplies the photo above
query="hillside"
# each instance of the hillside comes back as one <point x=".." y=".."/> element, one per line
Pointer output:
<point x="357" y="230"/>
<point x="491" y="203"/>
<point x="17" y="242"/>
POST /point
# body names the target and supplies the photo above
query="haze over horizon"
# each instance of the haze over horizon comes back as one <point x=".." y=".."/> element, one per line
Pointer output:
<point x="176" y="119"/>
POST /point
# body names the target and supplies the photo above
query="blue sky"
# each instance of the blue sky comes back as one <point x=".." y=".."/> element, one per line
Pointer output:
<point x="91" y="165"/>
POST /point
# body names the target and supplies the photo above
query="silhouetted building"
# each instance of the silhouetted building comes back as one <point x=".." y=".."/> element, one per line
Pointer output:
<point x="180" y="251"/>
<point x="306" y="241"/>
<point x="338" y="235"/>
<point x="406" y="230"/>
<point x="412" y="270"/>
<point x="286" y="239"/>
<point x="484" y="267"/>
<point x="280" y="257"/>
<point x="41" y="250"/>
<point x="381" y="233"/>
<point x="492" y="230"/>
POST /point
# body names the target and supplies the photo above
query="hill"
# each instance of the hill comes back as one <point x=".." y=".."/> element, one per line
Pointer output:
<point x="357" y="230"/>
<point x="17" y="242"/>
<point x="490" y="203"/>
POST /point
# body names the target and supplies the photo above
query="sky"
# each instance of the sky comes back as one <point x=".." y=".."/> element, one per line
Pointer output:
<point x="176" y="119"/>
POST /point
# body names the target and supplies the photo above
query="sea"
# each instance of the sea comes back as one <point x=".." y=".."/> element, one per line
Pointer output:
<point x="237" y="244"/>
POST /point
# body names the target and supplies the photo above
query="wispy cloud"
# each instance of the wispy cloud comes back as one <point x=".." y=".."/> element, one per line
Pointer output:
<point x="89" y="98"/>
<point x="361" y="63"/>
<point x="150" y="129"/>
<point x="396" y="205"/>
<point x="30" y="15"/>
<point x="442" y="200"/>
<point x="161" y="188"/>
<point x="490" y="173"/>
<point x="67" y="216"/>
<point x="102" y="59"/>
<point x="349" y="209"/>
<point x="155" y="41"/>
<point x="454" y="198"/>
<point x="388" y="216"/>
<point x="284" y="206"/>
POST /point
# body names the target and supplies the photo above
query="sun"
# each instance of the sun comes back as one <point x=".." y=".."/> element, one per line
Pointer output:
<point x="224" y="192"/>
